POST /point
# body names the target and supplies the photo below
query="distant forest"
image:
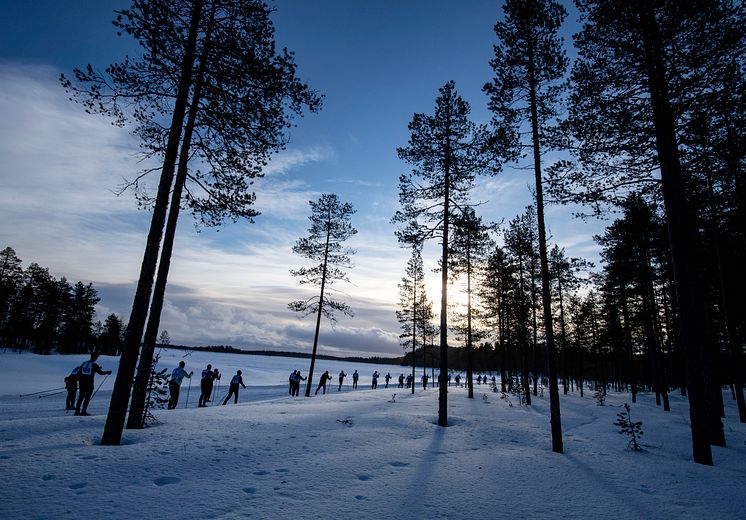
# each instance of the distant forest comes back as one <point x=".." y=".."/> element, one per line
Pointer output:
<point x="42" y="314"/>
<point x="303" y="355"/>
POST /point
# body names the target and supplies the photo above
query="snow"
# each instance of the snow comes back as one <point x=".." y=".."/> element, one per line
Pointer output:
<point x="349" y="454"/>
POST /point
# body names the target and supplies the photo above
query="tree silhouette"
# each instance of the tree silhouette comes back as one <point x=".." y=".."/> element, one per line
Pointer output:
<point x="330" y="228"/>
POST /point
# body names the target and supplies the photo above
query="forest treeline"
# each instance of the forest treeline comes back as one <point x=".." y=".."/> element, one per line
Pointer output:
<point x="42" y="314"/>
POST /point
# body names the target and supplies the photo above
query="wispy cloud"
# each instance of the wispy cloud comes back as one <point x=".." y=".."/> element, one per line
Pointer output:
<point x="59" y="169"/>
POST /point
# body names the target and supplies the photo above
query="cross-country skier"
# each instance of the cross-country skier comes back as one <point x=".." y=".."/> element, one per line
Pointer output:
<point x="342" y="376"/>
<point x="374" y="383"/>
<point x="388" y="378"/>
<point x="355" y="377"/>
<point x="296" y="382"/>
<point x="174" y="385"/>
<point x="425" y="377"/>
<point x="88" y="371"/>
<point x="206" y="383"/>
<point x="233" y="389"/>
<point x="322" y="382"/>
<point x="71" y="384"/>
<point x="401" y="380"/>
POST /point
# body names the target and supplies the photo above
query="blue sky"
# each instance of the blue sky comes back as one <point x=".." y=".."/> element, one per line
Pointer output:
<point x="376" y="62"/>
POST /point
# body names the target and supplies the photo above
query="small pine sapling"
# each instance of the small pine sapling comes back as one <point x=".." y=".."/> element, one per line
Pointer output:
<point x="157" y="391"/>
<point x="630" y="428"/>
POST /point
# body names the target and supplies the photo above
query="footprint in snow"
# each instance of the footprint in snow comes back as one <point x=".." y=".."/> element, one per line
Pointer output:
<point x="48" y="477"/>
<point x="360" y="497"/>
<point x="162" y="481"/>
<point x="398" y="464"/>
<point x="249" y="490"/>
<point x="261" y="472"/>
<point x="78" y="485"/>
<point x="282" y="470"/>
<point x="363" y="477"/>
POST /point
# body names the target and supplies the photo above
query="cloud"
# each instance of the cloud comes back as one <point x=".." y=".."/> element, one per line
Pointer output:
<point x="58" y="171"/>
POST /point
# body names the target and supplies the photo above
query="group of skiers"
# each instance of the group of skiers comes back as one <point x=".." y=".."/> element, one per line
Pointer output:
<point x="295" y="378"/>
<point x="207" y="382"/>
<point x="81" y="378"/>
<point x="80" y="383"/>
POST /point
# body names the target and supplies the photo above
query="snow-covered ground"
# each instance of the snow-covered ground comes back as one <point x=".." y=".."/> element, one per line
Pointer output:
<point x="351" y="454"/>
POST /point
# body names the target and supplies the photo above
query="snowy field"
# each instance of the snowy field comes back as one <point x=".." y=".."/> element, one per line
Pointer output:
<point x="353" y="454"/>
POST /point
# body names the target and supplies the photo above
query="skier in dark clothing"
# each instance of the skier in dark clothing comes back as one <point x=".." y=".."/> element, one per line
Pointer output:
<point x="174" y="386"/>
<point x="342" y="376"/>
<point x="401" y="380"/>
<point x="233" y="389"/>
<point x="88" y="371"/>
<point x="297" y="378"/>
<point x="388" y="378"/>
<point x="374" y="382"/>
<point x="355" y="377"/>
<point x="71" y="384"/>
<point x="322" y="383"/>
<point x="206" y="383"/>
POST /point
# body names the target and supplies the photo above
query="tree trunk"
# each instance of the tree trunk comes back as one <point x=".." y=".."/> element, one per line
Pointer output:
<point x="112" y="434"/>
<point x="318" y="314"/>
<point x="554" y="403"/>
<point x="443" y="389"/>
<point x="682" y="240"/>
<point x="136" y="418"/>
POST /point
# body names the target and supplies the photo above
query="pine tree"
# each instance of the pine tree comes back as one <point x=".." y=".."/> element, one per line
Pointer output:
<point x="447" y="151"/>
<point x="330" y="227"/>
<point x="217" y="62"/>
<point x="630" y="428"/>
<point x="529" y="65"/>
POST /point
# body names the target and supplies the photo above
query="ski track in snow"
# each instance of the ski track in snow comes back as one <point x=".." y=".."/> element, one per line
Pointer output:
<point x="350" y="454"/>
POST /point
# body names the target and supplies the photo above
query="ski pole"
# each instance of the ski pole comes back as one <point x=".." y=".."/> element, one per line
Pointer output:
<point x="43" y="391"/>
<point x="54" y="393"/>
<point x="99" y="386"/>
<point x="186" y="404"/>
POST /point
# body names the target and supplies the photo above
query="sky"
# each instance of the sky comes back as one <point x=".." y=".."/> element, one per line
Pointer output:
<point x="376" y="63"/>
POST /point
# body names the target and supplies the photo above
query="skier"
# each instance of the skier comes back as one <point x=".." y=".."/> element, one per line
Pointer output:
<point x="342" y="376"/>
<point x="174" y="385"/>
<point x="88" y="371"/>
<point x="425" y="377"/>
<point x="388" y="378"/>
<point x="355" y="377"/>
<point x="374" y="383"/>
<point x="449" y="379"/>
<point x="208" y="376"/>
<point x="458" y="379"/>
<point x="233" y="389"/>
<point x="479" y="379"/>
<point x="296" y="383"/>
<point x="322" y="383"/>
<point x="401" y="380"/>
<point x="291" y="383"/>
<point x="71" y="384"/>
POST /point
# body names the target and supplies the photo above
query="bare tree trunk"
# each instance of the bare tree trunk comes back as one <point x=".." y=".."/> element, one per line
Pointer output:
<point x="136" y="418"/>
<point x="318" y="314"/>
<point x="112" y="434"/>
<point x="554" y="403"/>
<point x="682" y="240"/>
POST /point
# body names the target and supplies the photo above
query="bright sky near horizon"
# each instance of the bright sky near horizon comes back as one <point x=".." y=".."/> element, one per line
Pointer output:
<point x="376" y="62"/>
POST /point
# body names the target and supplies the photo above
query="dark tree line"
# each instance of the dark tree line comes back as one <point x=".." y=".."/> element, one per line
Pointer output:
<point x="43" y="314"/>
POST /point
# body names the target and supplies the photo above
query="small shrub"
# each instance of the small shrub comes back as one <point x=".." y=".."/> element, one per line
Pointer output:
<point x="630" y="428"/>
